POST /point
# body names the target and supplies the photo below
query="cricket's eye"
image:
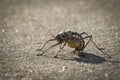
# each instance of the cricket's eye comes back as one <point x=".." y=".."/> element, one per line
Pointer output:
<point x="63" y="36"/>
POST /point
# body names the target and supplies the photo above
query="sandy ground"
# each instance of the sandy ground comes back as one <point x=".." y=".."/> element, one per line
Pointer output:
<point x="20" y="36"/>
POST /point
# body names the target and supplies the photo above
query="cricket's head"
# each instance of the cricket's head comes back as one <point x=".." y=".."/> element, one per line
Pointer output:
<point x="63" y="36"/>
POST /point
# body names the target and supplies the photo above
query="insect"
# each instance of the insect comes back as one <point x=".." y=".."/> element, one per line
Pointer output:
<point x="73" y="39"/>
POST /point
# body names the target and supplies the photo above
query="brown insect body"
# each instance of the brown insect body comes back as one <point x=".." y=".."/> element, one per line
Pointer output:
<point x="73" y="39"/>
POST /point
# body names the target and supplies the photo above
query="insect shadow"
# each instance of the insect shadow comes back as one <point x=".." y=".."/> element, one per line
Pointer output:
<point x="87" y="58"/>
<point x="90" y="58"/>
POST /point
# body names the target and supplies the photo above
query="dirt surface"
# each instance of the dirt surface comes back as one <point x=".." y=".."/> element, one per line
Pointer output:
<point x="20" y="36"/>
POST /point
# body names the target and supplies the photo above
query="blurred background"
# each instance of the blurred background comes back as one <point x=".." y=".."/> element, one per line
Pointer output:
<point x="19" y="36"/>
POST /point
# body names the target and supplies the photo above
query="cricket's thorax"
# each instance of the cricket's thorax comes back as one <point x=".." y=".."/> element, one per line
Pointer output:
<point x="75" y="41"/>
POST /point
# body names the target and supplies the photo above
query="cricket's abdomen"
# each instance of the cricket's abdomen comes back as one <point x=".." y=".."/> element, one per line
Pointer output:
<point x="76" y="44"/>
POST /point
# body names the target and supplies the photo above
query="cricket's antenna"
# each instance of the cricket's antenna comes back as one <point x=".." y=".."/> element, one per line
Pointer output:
<point x="45" y="29"/>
